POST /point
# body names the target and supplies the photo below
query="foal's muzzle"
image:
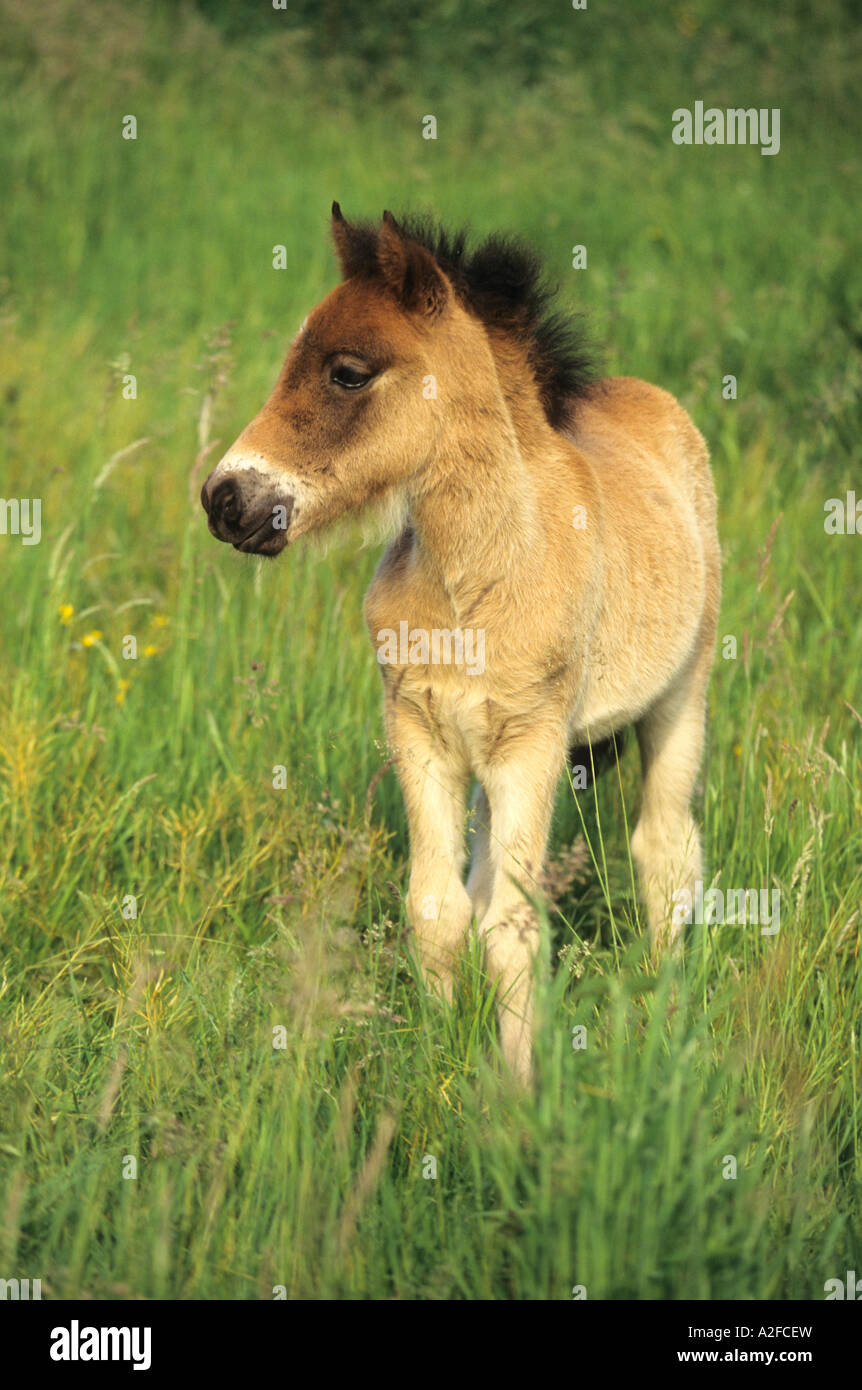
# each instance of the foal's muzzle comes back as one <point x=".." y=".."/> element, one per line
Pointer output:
<point x="247" y="511"/>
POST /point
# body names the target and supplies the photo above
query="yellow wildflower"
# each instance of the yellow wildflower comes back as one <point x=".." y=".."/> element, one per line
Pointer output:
<point x="122" y="687"/>
<point x="65" y="612"/>
<point x="150" y="650"/>
<point x="90" y="639"/>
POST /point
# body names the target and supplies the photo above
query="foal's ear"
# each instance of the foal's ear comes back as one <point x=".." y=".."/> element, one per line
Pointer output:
<point x="356" y="247"/>
<point x="410" y="271"/>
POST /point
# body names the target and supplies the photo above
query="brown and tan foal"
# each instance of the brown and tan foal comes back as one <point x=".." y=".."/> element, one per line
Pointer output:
<point x="570" y="526"/>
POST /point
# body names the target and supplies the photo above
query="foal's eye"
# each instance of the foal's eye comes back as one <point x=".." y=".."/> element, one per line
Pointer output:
<point x="351" y="378"/>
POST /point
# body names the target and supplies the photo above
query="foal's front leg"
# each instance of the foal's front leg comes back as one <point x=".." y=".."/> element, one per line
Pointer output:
<point x="434" y="785"/>
<point x="520" y="786"/>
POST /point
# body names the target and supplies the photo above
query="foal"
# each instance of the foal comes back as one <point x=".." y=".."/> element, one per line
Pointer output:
<point x="565" y="530"/>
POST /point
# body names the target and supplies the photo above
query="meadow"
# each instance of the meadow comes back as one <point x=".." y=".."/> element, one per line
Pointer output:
<point x="220" y="1075"/>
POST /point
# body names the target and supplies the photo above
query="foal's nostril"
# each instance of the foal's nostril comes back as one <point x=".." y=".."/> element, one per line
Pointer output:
<point x="225" y="507"/>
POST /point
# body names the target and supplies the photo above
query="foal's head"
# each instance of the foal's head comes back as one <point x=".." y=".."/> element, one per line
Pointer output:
<point x="395" y="360"/>
<point x="349" y="417"/>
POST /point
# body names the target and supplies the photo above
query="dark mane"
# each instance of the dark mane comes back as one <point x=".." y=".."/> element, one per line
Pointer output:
<point x="503" y="282"/>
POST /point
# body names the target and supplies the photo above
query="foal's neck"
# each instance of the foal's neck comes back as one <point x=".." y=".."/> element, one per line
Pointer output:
<point x="476" y="511"/>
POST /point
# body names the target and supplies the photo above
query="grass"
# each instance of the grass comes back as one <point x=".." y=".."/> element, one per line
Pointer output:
<point x="165" y="907"/>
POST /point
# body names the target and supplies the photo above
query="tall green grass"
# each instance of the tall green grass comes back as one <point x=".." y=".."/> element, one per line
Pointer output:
<point x="308" y="1165"/>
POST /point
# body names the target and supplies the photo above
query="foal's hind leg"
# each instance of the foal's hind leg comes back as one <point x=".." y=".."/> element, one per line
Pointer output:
<point x="666" y="841"/>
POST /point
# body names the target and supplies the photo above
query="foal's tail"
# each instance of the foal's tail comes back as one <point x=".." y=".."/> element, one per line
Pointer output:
<point x="598" y="757"/>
